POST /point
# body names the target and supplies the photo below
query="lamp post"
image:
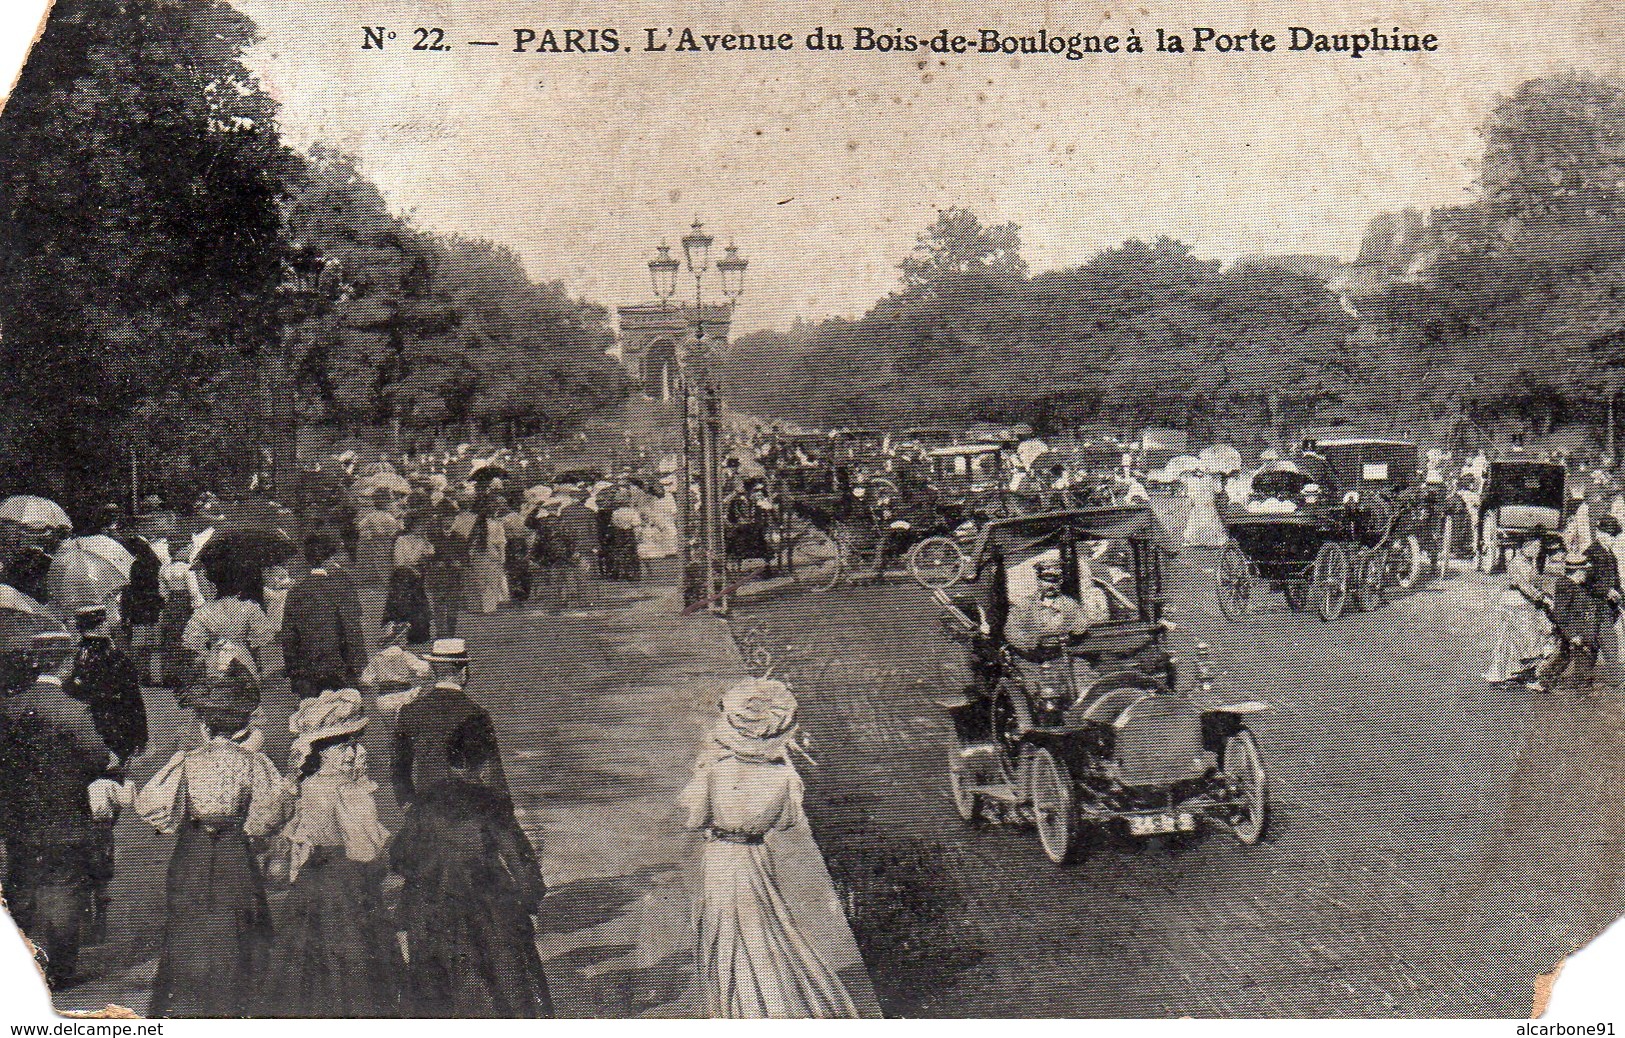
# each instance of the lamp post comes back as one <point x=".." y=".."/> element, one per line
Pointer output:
<point x="701" y="445"/>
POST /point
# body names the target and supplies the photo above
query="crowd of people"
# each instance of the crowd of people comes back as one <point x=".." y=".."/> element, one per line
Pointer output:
<point x="285" y="894"/>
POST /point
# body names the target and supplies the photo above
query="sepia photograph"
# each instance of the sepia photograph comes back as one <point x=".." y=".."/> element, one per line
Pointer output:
<point x="637" y="510"/>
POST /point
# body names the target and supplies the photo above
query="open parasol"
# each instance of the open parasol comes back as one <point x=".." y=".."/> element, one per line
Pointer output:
<point x="38" y="513"/>
<point x="1220" y="458"/>
<point x="80" y="576"/>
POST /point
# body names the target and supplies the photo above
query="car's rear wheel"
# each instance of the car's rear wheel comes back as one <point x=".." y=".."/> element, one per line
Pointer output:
<point x="1245" y="766"/>
<point x="1235" y="581"/>
<point x="1055" y="807"/>
<point x="967" y="804"/>
<point x="1331" y="581"/>
<point x="937" y="562"/>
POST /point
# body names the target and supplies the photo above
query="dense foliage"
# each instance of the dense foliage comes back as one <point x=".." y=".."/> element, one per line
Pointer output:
<point x="1509" y="307"/>
<point x="150" y="216"/>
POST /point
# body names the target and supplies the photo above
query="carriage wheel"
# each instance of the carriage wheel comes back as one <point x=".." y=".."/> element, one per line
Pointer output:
<point x="960" y="779"/>
<point x="1407" y="561"/>
<point x="1235" y="581"/>
<point x="1055" y="807"/>
<point x="1331" y="580"/>
<point x="937" y="562"/>
<point x="1371" y="568"/>
<point x="815" y="560"/>
<point x="1245" y="766"/>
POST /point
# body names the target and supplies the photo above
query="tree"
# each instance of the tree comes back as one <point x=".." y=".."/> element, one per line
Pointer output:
<point x="432" y="330"/>
<point x="140" y="241"/>
<point x="957" y="245"/>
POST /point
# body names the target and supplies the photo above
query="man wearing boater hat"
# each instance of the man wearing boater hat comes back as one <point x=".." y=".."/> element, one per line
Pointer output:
<point x="428" y="724"/>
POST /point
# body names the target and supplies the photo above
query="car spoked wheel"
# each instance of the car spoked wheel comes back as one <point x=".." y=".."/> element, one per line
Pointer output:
<point x="1055" y="807"/>
<point x="1331" y="581"/>
<point x="1235" y="582"/>
<point x="937" y="562"/>
<point x="1406" y="561"/>
<point x="1245" y="766"/>
<point x="961" y="778"/>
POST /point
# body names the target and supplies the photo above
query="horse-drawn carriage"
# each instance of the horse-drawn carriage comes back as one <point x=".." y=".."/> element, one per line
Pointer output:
<point x="1336" y="524"/>
<point x="1089" y="732"/>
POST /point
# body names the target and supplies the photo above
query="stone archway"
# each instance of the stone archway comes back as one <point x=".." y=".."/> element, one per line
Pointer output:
<point x="660" y="369"/>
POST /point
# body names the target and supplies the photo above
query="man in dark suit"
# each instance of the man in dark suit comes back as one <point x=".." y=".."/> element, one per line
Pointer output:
<point x="323" y="646"/>
<point x="429" y="723"/>
<point x="50" y="754"/>
<point x="105" y="679"/>
<point x="1602" y="581"/>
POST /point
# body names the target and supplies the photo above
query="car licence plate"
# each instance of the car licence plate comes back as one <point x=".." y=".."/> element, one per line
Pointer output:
<point x="1168" y="822"/>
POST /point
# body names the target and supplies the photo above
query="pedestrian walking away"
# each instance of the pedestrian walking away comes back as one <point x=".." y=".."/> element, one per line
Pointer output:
<point x="323" y="644"/>
<point x="215" y="799"/>
<point x="51" y="758"/>
<point x="753" y="958"/>
<point x="334" y="953"/>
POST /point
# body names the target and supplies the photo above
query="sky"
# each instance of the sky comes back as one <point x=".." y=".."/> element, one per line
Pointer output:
<point x="823" y="167"/>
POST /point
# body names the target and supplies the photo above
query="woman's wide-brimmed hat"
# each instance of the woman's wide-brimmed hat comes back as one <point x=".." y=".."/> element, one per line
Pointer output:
<point x="759" y="708"/>
<point x="331" y="715"/>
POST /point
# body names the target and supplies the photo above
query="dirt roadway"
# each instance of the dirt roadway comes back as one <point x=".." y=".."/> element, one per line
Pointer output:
<point x="1435" y="842"/>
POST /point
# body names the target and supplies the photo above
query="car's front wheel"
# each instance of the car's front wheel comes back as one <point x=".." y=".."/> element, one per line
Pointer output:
<point x="1055" y="807"/>
<point x="1245" y="765"/>
<point x="967" y="804"/>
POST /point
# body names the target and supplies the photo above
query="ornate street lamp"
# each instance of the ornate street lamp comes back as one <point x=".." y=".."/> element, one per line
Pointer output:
<point x="663" y="272"/>
<point x="697" y="248"/>
<point x="701" y="414"/>
<point x="732" y="269"/>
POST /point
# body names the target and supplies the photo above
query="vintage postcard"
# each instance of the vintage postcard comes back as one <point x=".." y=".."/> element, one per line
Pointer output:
<point x="755" y="510"/>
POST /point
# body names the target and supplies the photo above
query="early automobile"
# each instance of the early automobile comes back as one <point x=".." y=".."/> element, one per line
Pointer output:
<point x="1522" y="499"/>
<point x="1324" y="529"/>
<point x="1084" y="733"/>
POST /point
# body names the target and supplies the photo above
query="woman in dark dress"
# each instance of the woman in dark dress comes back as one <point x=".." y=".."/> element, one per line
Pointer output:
<point x="216" y="797"/>
<point x="335" y="953"/>
<point x="472" y="884"/>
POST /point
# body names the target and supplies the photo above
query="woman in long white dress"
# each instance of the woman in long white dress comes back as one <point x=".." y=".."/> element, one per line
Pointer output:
<point x="658" y="539"/>
<point x="1522" y="630"/>
<point x="1203" y="527"/>
<point x="488" y="552"/>
<point x="754" y="961"/>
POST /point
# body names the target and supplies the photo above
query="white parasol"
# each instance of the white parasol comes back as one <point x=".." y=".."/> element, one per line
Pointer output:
<point x="39" y="513"/>
<point x="1220" y="458"/>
